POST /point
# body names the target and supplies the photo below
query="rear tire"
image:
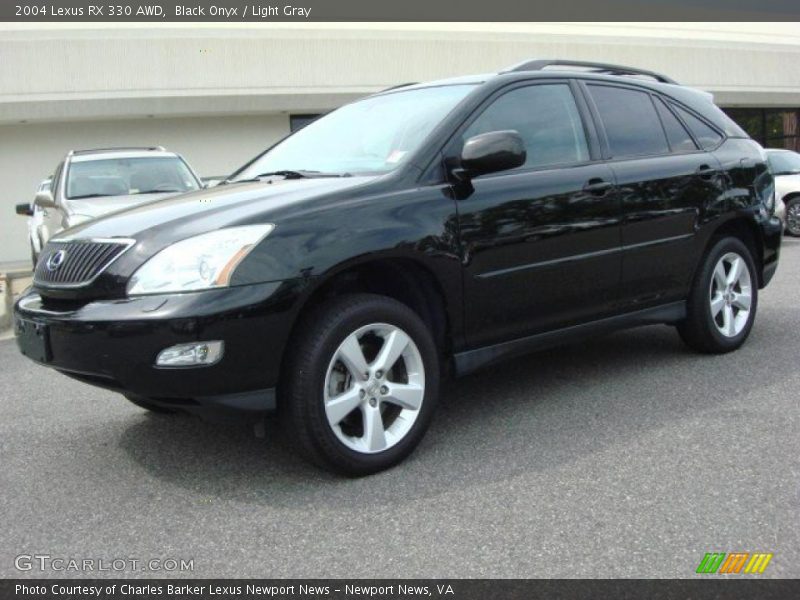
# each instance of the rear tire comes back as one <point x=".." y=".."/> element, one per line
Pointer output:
<point x="722" y="303"/>
<point x="361" y="384"/>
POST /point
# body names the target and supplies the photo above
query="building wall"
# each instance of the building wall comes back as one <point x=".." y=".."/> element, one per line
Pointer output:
<point x="61" y="72"/>
<point x="29" y="152"/>
<point x="219" y="93"/>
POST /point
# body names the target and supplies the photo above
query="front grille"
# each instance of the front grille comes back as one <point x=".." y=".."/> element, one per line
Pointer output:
<point x="76" y="263"/>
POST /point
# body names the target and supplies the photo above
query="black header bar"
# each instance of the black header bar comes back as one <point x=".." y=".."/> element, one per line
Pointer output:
<point x="406" y="589"/>
<point x="244" y="11"/>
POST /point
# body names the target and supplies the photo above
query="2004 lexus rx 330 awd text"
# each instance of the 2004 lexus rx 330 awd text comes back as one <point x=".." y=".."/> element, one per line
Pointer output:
<point x="424" y="231"/>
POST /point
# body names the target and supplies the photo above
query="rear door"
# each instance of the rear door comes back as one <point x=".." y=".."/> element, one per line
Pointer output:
<point x="666" y="182"/>
<point x="540" y="243"/>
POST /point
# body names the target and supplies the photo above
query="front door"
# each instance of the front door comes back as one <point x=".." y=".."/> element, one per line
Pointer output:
<point x="540" y="243"/>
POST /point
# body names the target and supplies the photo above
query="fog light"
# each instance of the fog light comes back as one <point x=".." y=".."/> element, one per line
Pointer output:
<point x="198" y="354"/>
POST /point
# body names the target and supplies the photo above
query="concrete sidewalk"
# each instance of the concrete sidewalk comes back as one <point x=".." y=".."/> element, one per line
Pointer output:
<point x="14" y="278"/>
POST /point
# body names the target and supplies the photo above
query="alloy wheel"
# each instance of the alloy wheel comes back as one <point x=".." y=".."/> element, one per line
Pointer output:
<point x="374" y="388"/>
<point x="793" y="218"/>
<point x="730" y="294"/>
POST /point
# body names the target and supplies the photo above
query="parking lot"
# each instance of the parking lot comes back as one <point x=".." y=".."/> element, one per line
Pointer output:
<point x="628" y="456"/>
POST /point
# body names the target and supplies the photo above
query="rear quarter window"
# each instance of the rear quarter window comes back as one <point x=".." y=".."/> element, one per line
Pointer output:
<point x="706" y="136"/>
<point x="678" y="136"/>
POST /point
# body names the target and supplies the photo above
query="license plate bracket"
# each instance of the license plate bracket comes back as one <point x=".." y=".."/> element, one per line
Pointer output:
<point x="33" y="340"/>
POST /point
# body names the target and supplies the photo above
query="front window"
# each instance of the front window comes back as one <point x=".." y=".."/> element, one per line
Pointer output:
<point x="374" y="135"/>
<point x="784" y="163"/>
<point x="546" y="118"/>
<point x="128" y="177"/>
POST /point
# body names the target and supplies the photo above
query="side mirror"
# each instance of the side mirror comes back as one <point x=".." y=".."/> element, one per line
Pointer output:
<point x="24" y="209"/>
<point x="492" y="152"/>
<point x="44" y="199"/>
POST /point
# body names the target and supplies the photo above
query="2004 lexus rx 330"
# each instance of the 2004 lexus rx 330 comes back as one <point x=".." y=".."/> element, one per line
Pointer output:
<point x="426" y="230"/>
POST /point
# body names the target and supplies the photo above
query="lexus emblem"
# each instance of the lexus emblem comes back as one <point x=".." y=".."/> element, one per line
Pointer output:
<point x="56" y="260"/>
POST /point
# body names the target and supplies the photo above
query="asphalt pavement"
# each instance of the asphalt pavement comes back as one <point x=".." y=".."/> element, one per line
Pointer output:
<point x="626" y="456"/>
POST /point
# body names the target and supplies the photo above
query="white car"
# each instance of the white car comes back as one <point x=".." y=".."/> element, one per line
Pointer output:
<point x="785" y="166"/>
<point x="91" y="183"/>
<point x="29" y="209"/>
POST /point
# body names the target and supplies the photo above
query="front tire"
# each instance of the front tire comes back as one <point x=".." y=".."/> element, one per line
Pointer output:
<point x="793" y="217"/>
<point x="361" y="385"/>
<point x="722" y="303"/>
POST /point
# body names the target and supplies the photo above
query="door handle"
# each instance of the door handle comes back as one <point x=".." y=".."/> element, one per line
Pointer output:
<point x="597" y="186"/>
<point x="705" y="171"/>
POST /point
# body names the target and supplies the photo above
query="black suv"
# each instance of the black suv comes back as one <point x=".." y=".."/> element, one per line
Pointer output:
<point x="427" y="230"/>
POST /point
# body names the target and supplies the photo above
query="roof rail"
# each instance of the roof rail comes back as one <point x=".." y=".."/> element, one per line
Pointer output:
<point x="540" y="65"/>
<point x="116" y="149"/>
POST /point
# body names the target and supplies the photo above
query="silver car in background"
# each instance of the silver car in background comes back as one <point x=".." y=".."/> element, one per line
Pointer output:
<point x="91" y="183"/>
<point x="29" y="209"/>
<point x="785" y="167"/>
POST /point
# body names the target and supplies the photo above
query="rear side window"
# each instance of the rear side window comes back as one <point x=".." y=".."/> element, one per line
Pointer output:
<point x="547" y="119"/>
<point x="630" y="120"/>
<point x="679" y="138"/>
<point x="705" y="136"/>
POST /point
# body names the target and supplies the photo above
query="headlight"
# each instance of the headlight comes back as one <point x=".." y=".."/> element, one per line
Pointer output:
<point x="197" y="263"/>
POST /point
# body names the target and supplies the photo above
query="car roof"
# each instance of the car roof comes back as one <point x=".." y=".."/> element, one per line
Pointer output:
<point x="549" y="69"/>
<point x="460" y="80"/>
<point x="700" y="101"/>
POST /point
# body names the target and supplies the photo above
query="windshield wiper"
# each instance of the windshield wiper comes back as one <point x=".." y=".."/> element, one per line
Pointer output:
<point x="89" y="196"/>
<point x="289" y="174"/>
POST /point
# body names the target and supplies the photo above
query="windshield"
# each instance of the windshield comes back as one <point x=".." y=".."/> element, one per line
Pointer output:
<point x="128" y="176"/>
<point x="783" y="163"/>
<point x="374" y="135"/>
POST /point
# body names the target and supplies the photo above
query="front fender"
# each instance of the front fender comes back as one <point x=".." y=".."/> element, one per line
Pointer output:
<point x="420" y="225"/>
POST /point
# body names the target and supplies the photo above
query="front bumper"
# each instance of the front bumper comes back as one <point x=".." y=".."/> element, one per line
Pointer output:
<point x="114" y="343"/>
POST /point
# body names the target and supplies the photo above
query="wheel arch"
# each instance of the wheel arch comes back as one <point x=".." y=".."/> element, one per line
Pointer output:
<point x="788" y="197"/>
<point x="745" y="229"/>
<point x="404" y="279"/>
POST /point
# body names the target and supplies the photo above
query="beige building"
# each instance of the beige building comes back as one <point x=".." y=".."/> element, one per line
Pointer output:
<point x="218" y="94"/>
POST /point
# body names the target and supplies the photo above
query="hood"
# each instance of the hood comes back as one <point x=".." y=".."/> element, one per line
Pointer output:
<point x="171" y="219"/>
<point x="97" y="207"/>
